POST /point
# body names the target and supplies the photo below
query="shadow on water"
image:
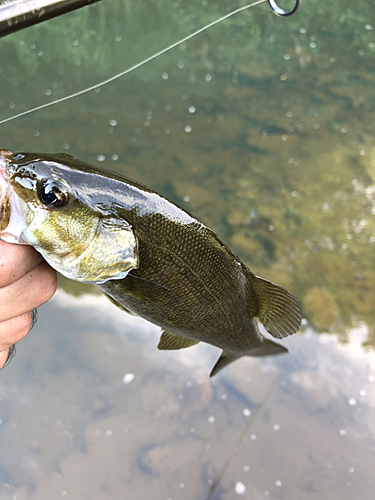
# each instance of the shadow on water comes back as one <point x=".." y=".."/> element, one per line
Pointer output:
<point x="263" y="129"/>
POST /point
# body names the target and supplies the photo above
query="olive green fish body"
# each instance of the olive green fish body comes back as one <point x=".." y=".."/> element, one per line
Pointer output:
<point x="150" y="257"/>
<point x="190" y="283"/>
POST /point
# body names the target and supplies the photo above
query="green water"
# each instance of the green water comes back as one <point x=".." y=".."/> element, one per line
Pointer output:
<point x="262" y="128"/>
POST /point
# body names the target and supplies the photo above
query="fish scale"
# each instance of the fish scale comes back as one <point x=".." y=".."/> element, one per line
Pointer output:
<point x="207" y="283"/>
<point x="146" y="254"/>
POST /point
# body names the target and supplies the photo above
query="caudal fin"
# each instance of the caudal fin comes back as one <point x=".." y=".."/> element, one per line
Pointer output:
<point x="224" y="360"/>
<point x="267" y="348"/>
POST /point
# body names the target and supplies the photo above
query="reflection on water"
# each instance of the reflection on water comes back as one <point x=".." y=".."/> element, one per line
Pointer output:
<point x="104" y="414"/>
<point x="263" y="128"/>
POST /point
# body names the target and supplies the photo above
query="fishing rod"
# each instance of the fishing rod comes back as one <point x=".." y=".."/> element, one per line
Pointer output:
<point x="16" y="15"/>
<point x="19" y="14"/>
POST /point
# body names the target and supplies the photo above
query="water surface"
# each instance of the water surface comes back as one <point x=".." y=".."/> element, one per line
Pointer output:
<point x="263" y="129"/>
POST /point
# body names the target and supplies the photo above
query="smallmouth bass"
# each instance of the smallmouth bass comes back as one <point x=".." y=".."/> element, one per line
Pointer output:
<point x="147" y="255"/>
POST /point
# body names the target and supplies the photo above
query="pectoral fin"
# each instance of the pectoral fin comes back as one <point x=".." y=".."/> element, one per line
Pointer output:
<point x="278" y="309"/>
<point x="170" y="341"/>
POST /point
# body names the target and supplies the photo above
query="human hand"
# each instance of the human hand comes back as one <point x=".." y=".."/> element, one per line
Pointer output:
<point x="26" y="282"/>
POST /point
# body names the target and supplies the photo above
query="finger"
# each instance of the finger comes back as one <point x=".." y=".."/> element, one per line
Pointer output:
<point x="29" y="292"/>
<point x="14" y="330"/>
<point x="16" y="261"/>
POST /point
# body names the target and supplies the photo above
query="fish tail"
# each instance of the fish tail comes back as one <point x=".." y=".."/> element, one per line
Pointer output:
<point x="266" y="348"/>
<point x="224" y="360"/>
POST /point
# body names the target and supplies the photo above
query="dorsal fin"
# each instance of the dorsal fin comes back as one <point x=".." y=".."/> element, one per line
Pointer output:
<point x="278" y="309"/>
<point x="170" y="340"/>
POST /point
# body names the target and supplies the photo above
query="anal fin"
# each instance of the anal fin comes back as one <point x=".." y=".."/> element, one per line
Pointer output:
<point x="170" y="341"/>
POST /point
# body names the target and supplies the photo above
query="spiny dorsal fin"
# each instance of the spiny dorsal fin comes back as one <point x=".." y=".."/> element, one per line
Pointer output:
<point x="278" y="309"/>
<point x="170" y="340"/>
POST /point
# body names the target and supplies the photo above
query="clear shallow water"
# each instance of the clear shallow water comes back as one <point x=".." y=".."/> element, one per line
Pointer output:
<point x="263" y="128"/>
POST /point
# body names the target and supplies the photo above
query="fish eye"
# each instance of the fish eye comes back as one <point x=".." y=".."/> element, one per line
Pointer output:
<point x="53" y="196"/>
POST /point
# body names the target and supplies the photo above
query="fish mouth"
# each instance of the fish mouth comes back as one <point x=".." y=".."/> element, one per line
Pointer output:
<point x="4" y="199"/>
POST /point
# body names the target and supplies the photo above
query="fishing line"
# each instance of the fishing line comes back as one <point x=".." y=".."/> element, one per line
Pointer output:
<point x="241" y="437"/>
<point x="136" y="66"/>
